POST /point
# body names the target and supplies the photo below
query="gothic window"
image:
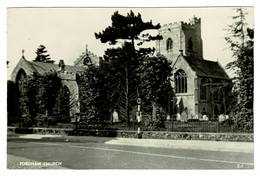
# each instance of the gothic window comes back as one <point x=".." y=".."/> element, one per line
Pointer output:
<point x="169" y="44"/>
<point x="180" y="82"/>
<point x="190" y="44"/>
<point x="20" y="80"/>
<point x="203" y="89"/>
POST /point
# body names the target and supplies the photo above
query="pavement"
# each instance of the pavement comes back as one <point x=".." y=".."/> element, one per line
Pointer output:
<point x="242" y="147"/>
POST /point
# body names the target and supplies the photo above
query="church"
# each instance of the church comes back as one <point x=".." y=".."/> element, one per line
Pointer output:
<point x="195" y="80"/>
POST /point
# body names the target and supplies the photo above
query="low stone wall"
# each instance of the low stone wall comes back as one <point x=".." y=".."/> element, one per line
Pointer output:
<point x="239" y="137"/>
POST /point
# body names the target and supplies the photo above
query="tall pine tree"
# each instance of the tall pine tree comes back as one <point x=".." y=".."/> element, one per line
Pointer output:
<point x="129" y="29"/>
<point x="42" y="56"/>
<point x="241" y="41"/>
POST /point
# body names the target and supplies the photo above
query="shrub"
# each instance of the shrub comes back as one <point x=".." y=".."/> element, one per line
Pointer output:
<point x="26" y="120"/>
<point x="43" y="120"/>
<point x="88" y="121"/>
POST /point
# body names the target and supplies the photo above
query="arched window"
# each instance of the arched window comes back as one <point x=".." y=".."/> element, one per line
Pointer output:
<point x="203" y="89"/>
<point x="180" y="82"/>
<point x="169" y="44"/>
<point x="20" y="79"/>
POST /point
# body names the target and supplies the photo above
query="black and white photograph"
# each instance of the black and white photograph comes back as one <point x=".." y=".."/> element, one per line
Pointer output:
<point x="130" y="88"/>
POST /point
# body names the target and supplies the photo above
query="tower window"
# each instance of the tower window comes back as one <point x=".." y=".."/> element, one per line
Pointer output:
<point x="180" y="82"/>
<point x="169" y="44"/>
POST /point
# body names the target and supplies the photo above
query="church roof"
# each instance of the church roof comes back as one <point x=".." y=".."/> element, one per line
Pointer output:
<point x="206" y="68"/>
<point x="42" y="68"/>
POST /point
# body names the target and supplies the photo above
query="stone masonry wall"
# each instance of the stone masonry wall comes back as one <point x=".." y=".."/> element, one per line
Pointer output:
<point x="69" y="80"/>
<point x="236" y="137"/>
<point x="187" y="98"/>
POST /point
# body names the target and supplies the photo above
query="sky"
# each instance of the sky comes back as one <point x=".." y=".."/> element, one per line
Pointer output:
<point x="66" y="31"/>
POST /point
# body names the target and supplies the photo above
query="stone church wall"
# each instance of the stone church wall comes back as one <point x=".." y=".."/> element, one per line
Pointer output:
<point x="69" y="80"/>
<point x="189" y="97"/>
<point x="172" y="31"/>
<point x="22" y="65"/>
<point x="192" y="31"/>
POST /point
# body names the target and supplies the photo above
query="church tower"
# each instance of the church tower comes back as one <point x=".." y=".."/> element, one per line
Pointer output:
<point x="181" y="36"/>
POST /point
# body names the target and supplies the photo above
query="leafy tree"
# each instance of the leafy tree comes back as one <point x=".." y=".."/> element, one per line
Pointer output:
<point x="42" y="56"/>
<point x="129" y="29"/>
<point x="241" y="41"/>
<point x="12" y="102"/>
<point x="155" y="88"/>
<point x="38" y="96"/>
<point x="92" y="94"/>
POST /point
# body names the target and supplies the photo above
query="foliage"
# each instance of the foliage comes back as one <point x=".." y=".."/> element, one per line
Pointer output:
<point x="241" y="41"/>
<point x="26" y="120"/>
<point x="121" y="78"/>
<point x="156" y="124"/>
<point x="154" y="73"/>
<point x="12" y="101"/>
<point x="43" y="120"/>
<point x="121" y="63"/>
<point x="126" y="27"/>
<point x="38" y="95"/>
<point x="92" y="94"/>
<point x="42" y="56"/>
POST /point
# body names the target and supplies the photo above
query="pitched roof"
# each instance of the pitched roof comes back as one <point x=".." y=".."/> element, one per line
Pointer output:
<point x="42" y="68"/>
<point x="206" y="68"/>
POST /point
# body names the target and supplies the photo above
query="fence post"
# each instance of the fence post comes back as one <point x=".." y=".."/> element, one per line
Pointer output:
<point x="218" y="127"/>
<point x="172" y="124"/>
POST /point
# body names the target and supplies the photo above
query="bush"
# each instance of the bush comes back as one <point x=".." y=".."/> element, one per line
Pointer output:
<point x="26" y="120"/>
<point x="43" y="120"/>
<point x="88" y="121"/>
<point x="154" y="125"/>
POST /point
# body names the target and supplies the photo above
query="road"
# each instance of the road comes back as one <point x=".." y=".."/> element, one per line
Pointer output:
<point x="94" y="153"/>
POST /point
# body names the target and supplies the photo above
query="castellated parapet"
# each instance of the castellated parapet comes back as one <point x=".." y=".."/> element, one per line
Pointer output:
<point x="184" y="36"/>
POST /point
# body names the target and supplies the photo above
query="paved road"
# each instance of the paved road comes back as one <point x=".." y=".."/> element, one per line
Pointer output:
<point x="93" y="153"/>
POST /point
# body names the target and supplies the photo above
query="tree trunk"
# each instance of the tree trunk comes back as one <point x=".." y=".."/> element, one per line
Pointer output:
<point x="127" y="96"/>
<point x="154" y="111"/>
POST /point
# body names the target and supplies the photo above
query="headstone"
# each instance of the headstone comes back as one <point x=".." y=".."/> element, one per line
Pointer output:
<point x="196" y="117"/>
<point x="115" y="116"/>
<point x="184" y="116"/>
<point x="221" y="118"/>
<point x="178" y="116"/>
<point x="205" y="117"/>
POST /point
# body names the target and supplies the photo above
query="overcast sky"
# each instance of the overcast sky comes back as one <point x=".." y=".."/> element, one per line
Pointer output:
<point x="66" y="31"/>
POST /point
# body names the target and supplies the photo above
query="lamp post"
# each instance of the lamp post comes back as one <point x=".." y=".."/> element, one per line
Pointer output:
<point x="139" y="115"/>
